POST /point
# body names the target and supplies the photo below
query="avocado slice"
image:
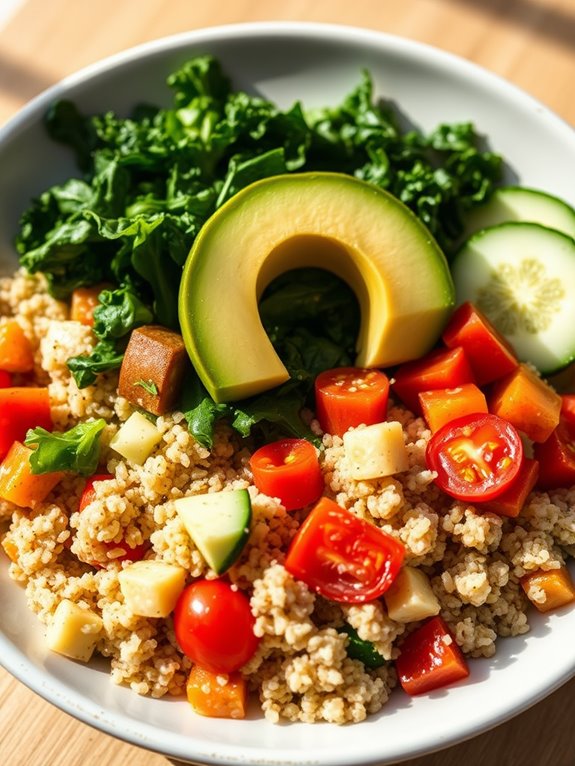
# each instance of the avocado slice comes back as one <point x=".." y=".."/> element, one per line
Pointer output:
<point x="332" y="221"/>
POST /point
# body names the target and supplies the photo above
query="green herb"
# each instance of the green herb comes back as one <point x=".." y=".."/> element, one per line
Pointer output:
<point x="76" y="450"/>
<point x="359" y="649"/>
<point x="148" y="385"/>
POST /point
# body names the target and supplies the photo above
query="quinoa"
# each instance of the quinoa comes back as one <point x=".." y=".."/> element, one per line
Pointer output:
<point x="301" y="670"/>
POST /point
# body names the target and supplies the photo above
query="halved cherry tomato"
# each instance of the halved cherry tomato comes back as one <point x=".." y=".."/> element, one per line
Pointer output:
<point x="289" y="470"/>
<point x="511" y="501"/>
<point x="342" y="557"/>
<point x="445" y="404"/>
<point x="556" y="458"/>
<point x="214" y="626"/>
<point x="430" y="659"/>
<point x="21" y="409"/>
<point x="444" y="368"/>
<point x="489" y="353"/>
<point x="476" y="457"/>
<point x="347" y="397"/>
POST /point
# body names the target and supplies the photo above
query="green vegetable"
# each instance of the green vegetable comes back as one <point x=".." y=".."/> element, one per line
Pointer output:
<point x="358" y="649"/>
<point x="76" y="450"/>
<point x="148" y="385"/>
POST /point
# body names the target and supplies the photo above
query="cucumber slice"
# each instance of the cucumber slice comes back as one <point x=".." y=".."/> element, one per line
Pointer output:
<point x="522" y="276"/>
<point x="517" y="203"/>
<point x="218" y="523"/>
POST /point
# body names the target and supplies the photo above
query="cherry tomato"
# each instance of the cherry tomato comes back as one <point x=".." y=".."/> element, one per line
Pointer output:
<point x="214" y="626"/>
<point x="89" y="494"/>
<point x="343" y="557"/>
<point x="430" y="659"/>
<point x="476" y="457"/>
<point x="347" y="397"/>
<point x="289" y="470"/>
<point x="489" y="353"/>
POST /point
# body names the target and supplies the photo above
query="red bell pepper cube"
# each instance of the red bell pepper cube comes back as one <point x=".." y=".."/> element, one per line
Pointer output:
<point x="556" y="458"/>
<point x="21" y="409"/>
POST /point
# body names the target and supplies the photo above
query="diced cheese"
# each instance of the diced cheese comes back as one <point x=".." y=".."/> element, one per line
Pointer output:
<point x="136" y="438"/>
<point x="151" y="588"/>
<point x="411" y="597"/>
<point x="74" y="631"/>
<point x="376" y="451"/>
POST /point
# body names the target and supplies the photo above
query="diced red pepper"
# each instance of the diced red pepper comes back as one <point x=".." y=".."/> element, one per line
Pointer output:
<point x="445" y="404"/>
<point x="556" y="458"/>
<point x="347" y="397"/>
<point x="430" y="659"/>
<point x="21" y="409"/>
<point x="489" y="353"/>
<point x="445" y="368"/>
<point x="568" y="408"/>
<point x="511" y="501"/>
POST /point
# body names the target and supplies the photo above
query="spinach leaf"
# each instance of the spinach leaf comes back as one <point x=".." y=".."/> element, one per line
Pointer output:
<point x="85" y="368"/>
<point x="76" y="450"/>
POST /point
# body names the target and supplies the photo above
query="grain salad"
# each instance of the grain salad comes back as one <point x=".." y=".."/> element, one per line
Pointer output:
<point x="301" y="670"/>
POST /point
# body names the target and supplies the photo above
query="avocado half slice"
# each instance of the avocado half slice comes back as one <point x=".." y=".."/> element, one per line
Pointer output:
<point x="332" y="221"/>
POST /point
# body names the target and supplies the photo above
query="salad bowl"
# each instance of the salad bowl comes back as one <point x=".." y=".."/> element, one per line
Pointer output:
<point x="317" y="65"/>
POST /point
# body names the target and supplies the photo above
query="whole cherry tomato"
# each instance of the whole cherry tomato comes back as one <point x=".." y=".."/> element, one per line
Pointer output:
<point x="476" y="457"/>
<point x="214" y="626"/>
<point x="347" y="397"/>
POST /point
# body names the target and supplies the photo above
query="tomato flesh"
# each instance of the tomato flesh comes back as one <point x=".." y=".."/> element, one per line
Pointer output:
<point x="476" y="457"/>
<point x="214" y="626"/>
<point x="289" y="470"/>
<point x="347" y="397"/>
<point x="343" y="557"/>
<point x="430" y="659"/>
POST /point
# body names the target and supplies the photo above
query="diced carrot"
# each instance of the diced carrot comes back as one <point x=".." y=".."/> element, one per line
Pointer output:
<point x="21" y="409"/>
<point x="16" y="353"/>
<point x="217" y="695"/>
<point x="10" y="549"/>
<point x="527" y="402"/>
<point x="548" y="590"/>
<point x="556" y="457"/>
<point x="84" y="301"/>
<point x="445" y="404"/>
<point x="18" y="484"/>
<point x="511" y="501"/>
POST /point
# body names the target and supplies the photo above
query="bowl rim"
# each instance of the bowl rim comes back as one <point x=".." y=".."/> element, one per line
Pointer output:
<point x="119" y="725"/>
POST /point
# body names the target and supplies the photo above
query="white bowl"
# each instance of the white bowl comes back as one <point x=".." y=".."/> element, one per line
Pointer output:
<point x="317" y="64"/>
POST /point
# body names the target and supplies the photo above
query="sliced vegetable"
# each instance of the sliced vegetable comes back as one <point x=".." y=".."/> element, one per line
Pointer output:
<point x="217" y="695"/>
<point x="16" y="354"/>
<point x="74" y="631"/>
<point x="343" y="557"/>
<point x="289" y="470"/>
<point x="410" y="597"/>
<point x="476" y="457"/>
<point x="550" y="589"/>
<point x="556" y="458"/>
<point x="430" y="659"/>
<point x="528" y="402"/>
<point x="5" y="379"/>
<point x="518" y="275"/>
<point x="359" y="649"/>
<point x="214" y="626"/>
<point x="136" y="438"/>
<point x="445" y="404"/>
<point x="83" y="302"/>
<point x="153" y="369"/>
<point x="444" y="368"/>
<point x="20" y="410"/>
<point x="350" y="396"/>
<point x="218" y="523"/>
<point x="18" y="484"/>
<point x="376" y="451"/>
<point x="151" y="588"/>
<point x="511" y="501"/>
<point x="76" y="450"/>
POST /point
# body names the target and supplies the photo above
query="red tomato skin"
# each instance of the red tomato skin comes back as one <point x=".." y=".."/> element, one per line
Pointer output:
<point x="443" y="368"/>
<point x="489" y="353"/>
<point x="214" y="626"/>
<point x="289" y="470"/>
<point x="556" y="458"/>
<point x="465" y="431"/>
<point x="568" y="409"/>
<point x="89" y="494"/>
<point x="510" y="502"/>
<point x="338" y="409"/>
<point x="427" y="662"/>
<point x="5" y="379"/>
<point x="21" y="409"/>
<point x="333" y="548"/>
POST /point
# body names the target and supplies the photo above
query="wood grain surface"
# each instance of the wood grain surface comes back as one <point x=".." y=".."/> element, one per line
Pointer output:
<point x="529" y="42"/>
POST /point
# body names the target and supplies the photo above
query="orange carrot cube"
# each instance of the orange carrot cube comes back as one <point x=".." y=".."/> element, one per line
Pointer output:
<point x="18" y="484"/>
<point x="217" y="695"/>
<point x="550" y="589"/>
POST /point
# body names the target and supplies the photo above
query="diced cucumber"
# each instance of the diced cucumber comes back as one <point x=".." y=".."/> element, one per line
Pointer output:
<point x="517" y="203"/>
<point x="218" y="523"/>
<point x="522" y="276"/>
<point x="359" y="649"/>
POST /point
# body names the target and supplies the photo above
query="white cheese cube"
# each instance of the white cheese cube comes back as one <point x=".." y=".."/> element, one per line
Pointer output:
<point x="151" y="588"/>
<point x="74" y="631"/>
<point x="410" y="597"/>
<point x="136" y="438"/>
<point x="376" y="451"/>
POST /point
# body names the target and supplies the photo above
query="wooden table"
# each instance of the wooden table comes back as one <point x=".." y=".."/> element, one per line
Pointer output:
<point x="530" y="42"/>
